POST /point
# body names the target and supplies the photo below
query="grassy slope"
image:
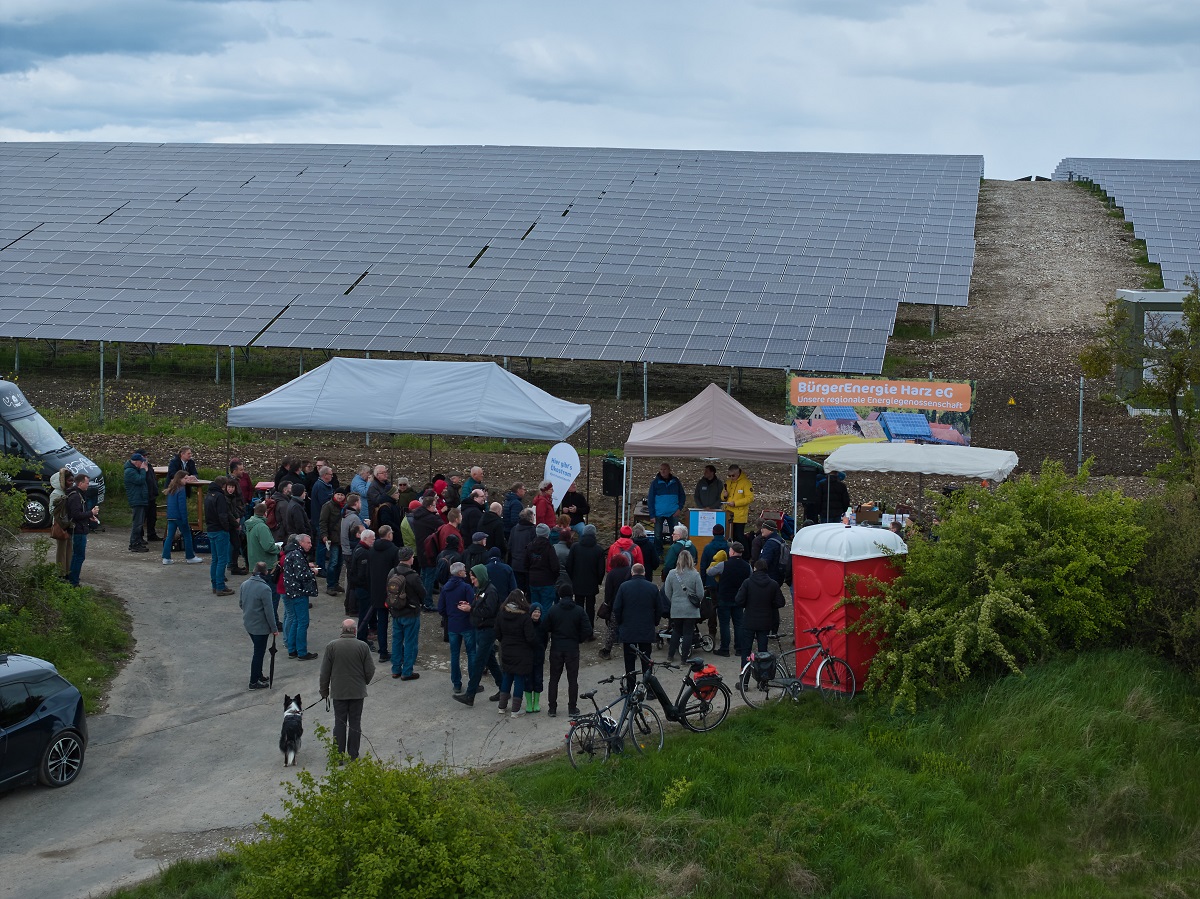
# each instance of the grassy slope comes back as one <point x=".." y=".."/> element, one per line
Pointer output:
<point x="1078" y="780"/>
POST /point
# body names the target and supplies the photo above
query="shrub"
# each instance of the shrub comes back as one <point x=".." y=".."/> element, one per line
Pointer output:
<point x="373" y="829"/>
<point x="1034" y="566"/>
<point x="1167" y="619"/>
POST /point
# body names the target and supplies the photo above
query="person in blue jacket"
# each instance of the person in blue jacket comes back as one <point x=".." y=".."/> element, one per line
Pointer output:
<point x="664" y="500"/>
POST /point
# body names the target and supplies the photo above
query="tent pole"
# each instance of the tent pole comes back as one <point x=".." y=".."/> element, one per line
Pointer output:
<point x="228" y="456"/>
<point x="588" y="494"/>
<point x="277" y="446"/>
<point x="795" y="497"/>
<point x="232" y="381"/>
<point x="430" y="458"/>
<point x="625" y="462"/>
<point x="392" y="466"/>
<point x="645" y="390"/>
<point x="102" y="382"/>
<point x="368" y="434"/>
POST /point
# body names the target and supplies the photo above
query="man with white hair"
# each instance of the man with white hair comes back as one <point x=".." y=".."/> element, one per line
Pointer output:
<point x="472" y="483"/>
<point x="378" y="489"/>
<point x="345" y="672"/>
<point x="491" y="522"/>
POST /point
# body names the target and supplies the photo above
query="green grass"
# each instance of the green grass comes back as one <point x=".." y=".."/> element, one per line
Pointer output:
<point x="1076" y="780"/>
<point x="1152" y="271"/>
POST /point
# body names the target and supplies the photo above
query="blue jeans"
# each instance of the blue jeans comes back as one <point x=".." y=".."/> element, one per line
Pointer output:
<point x="724" y="615"/>
<point x="406" y="632"/>
<point x="218" y="542"/>
<point x="78" y="553"/>
<point x="547" y="596"/>
<point x="172" y="527"/>
<point x="332" y="565"/>
<point x="513" y="684"/>
<point x="260" y="652"/>
<point x="295" y="624"/>
<point x="485" y="658"/>
<point x="457" y="642"/>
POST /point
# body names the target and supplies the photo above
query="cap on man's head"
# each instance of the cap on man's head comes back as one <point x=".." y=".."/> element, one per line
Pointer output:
<point x="479" y="536"/>
<point x="626" y="531"/>
<point x="543" y="530"/>
<point x="770" y="526"/>
<point x="142" y="452"/>
<point x="414" y="505"/>
<point x="137" y="457"/>
<point x="718" y="530"/>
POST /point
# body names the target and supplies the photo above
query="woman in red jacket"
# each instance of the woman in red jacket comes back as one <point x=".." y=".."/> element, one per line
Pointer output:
<point x="543" y="504"/>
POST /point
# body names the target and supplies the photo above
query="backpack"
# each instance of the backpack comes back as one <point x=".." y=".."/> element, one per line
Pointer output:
<point x="782" y="569"/>
<point x="628" y="555"/>
<point x="398" y="600"/>
<point x="272" y="522"/>
<point x="430" y="547"/>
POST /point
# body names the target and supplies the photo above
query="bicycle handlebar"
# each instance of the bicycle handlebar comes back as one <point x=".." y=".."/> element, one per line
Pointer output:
<point x="608" y="680"/>
<point x="816" y="631"/>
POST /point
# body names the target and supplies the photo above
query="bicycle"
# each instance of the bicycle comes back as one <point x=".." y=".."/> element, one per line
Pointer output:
<point x="594" y="736"/>
<point x="703" y="701"/>
<point x="701" y="639"/>
<point x="768" y="678"/>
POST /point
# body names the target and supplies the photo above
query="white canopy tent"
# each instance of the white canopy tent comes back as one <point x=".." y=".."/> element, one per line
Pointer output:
<point x="956" y="461"/>
<point x="385" y="396"/>
<point x="922" y="459"/>
<point x="712" y="425"/>
<point x="475" y="399"/>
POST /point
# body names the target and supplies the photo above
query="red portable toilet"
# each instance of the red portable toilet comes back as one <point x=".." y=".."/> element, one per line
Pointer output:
<point x="822" y="556"/>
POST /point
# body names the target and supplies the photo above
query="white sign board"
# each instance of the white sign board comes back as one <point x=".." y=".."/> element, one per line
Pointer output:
<point x="562" y="468"/>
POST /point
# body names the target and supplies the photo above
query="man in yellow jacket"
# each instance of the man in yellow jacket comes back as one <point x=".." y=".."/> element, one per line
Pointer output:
<point x="737" y="497"/>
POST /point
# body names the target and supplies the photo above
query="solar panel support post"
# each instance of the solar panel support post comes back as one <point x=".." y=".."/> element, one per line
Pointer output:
<point x="118" y="362"/>
<point x="645" y="390"/>
<point x="216" y="365"/>
<point x="729" y="383"/>
<point x="935" y="319"/>
<point x="1079" y="449"/>
<point x="739" y="378"/>
<point x="16" y="357"/>
<point x="620" y="366"/>
<point x="102" y="382"/>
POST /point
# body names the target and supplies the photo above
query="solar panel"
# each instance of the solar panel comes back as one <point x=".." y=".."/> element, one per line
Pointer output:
<point x="701" y="257"/>
<point x="1161" y="198"/>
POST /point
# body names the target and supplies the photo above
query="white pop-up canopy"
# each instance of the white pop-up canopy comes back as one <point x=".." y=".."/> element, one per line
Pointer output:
<point x="955" y="461"/>
<point x="473" y="399"/>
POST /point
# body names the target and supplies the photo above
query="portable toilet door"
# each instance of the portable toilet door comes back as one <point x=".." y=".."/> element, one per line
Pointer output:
<point x="823" y="555"/>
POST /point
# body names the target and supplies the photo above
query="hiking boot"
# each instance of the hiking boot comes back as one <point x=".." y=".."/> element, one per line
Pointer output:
<point x="412" y="676"/>
<point x="495" y="696"/>
<point x="225" y="592"/>
<point x="291" y="655"/>
<point x="139" y="548"/>
<point x="307" y="657"/>
<point x="464" y="699"/>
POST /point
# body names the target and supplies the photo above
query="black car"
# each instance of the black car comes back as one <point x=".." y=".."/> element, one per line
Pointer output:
<point x="43" y="730"/>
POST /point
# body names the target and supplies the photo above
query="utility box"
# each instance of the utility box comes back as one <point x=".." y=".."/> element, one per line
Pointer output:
<point x="823" y="556"/>
<point x="612" y="476"/>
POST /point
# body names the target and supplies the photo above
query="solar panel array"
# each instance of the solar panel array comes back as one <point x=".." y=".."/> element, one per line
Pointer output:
<point x="699" y="257"/>
<point x="1161" y="198"/>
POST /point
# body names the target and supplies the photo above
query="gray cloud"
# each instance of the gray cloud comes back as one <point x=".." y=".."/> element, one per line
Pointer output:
<point x="129" y="27"/>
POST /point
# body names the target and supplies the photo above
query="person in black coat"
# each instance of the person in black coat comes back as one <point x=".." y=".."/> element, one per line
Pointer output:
<point x="733" y="572"/>
<point x="832" y="497"/>
<point x="518" y="639"/>
<point x="472" y="511"/>
<point x="761" y="599"/>
<point x="565" y="626"/>
<point x="384" y="556"/>
<point x="492" y="524"/>
<point x="542" y="567"/>
<point x="152" y="491"/>
<point x="650" y="556"/>
<point x="585" y="568"/>
<point x="636" y="610"/>
<point x="518" y="547"/>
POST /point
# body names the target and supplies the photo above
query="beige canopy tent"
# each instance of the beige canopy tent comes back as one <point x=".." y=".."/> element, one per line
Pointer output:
<point x="711" y="426"/>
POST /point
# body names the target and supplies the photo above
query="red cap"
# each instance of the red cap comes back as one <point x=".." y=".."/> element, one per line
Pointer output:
<point x="626" y="531"/>
<point x="415" y="504"/>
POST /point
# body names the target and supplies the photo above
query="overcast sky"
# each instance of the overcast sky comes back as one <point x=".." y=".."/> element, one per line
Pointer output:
<point x="1023" y="82"/>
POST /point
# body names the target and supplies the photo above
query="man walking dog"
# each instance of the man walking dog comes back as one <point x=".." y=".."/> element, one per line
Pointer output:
<point x="346" y="669"/>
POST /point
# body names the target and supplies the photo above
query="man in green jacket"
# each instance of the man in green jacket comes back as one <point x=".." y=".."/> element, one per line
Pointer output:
<point x="138" y="495"/>
<point x="345" y="672"/>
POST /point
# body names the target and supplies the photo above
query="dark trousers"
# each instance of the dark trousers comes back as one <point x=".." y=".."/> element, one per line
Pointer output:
<point x="739" y="535"/>
<point x="588" y="604"/>
<point x="379" y="617"/>
<point x="568" y="661"/>
<point x="256" y="661"/>
<point x="485" y="658"/>
<point x="681" y="637"/>
<point x="727" y="615"/>
<point x="347" y="712"/>
<point x="151" y="524"/>
<point x="631" y="658"/>
<point x="135" y="529"/>
<point x="753" y="640"/>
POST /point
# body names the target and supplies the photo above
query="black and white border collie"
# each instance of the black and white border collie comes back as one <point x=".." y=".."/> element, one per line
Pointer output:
<point x="293" y="729"/>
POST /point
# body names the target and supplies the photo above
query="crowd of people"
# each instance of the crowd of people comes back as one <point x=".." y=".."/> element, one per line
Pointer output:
<point x="513" y="576"/>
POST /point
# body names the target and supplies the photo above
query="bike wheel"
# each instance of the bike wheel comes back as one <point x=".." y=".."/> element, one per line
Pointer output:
<point x="707" y="643"/>
<point x="756" y="693"/>
<point x="701" y="714"/>
<point x="835" y="679"/>
<point x="645" y="730"/>
<point x="586" y="745"/>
